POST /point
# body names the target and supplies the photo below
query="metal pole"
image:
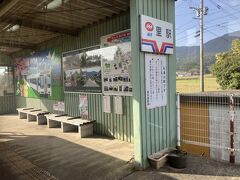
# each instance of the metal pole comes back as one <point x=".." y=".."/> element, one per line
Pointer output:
<point x="201" y="47"/>
<point x="232" y="118"/>
<point x="178" y="122"/>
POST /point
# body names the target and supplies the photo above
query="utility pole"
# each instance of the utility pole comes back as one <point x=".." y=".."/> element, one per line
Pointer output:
<point x="201" y="11"/>
<point x="201" y="47"/>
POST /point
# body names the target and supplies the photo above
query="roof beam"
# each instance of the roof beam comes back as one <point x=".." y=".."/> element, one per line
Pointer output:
<point x="34" y="25"/>
<point x="17" y="45"/>
<point x="6" y="7"/>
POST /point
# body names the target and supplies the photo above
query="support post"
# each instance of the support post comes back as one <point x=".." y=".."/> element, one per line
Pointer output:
<point x="154" y="129"/>
<point x="201" y="47"/>
<point x="232" y="117"/>
<point x="178" y="122"/>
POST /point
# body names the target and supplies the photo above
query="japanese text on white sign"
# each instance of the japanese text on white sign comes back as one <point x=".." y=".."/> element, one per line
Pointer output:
<point x="156" y="80"/>
<point x="156" y="36"/>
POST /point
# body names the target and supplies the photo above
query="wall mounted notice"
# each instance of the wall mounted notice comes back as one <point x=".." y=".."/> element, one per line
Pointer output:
<point x="156" y="80"/>
<point x="83" y="106"/>
<point x="117" y="70"/>
<point x="116" y="38"/>
<point x="106" y="104"/>
<point x="118" y="105"/>
<point x="59" y="106"/>
<point x="156" y="35"/>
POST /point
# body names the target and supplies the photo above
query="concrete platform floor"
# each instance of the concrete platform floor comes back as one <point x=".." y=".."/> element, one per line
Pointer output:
<point x="31" y="151"/>
<point x="198" y="168"/>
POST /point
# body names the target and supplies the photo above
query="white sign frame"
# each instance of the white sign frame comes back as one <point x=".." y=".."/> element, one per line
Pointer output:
<point x="156" y="35"/>
<point x="156" y="80"/>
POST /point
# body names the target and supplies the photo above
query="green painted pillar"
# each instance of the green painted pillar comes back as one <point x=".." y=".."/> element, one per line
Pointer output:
<point x="154" y="129"/>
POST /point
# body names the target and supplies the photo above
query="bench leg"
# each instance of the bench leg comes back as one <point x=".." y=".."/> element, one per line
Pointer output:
<point x="68" y="127"/>
<point x="41" y="120"/>
<point x="22" y="115"/>
<point x="86" y="130"/>
<point x="53" y="124"/>
<point x="31" y="117"/>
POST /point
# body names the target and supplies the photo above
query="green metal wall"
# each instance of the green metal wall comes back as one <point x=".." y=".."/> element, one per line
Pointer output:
<point x="5" y="59"/>
<point x="7" y="103"/>
<point x="112" y="125"/>
<point x="154" y="129"/>
<point x="117" y="126"/>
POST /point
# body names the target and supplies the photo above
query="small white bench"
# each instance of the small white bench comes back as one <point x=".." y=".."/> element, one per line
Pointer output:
<point x="69" y="124"/>
<point x="22" y="112"/>
<point x="37" y="116"/>
<point x="54" y="120"/>
<point x="82" y="126"/>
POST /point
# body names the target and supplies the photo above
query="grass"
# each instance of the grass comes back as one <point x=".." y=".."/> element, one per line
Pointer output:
<point x="192" y="84"/>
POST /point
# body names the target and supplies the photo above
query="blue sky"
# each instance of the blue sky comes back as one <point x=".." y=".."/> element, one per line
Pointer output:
<point x="223" y="17"/>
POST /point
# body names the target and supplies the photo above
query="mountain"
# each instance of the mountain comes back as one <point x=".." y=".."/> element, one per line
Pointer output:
<point x="219" y="44"/>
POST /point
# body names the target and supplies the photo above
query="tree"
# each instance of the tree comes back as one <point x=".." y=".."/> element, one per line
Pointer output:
<point x="227" y="67"/>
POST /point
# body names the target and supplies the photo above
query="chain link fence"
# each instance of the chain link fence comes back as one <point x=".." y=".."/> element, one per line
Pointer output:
<point x="210" y="125"/>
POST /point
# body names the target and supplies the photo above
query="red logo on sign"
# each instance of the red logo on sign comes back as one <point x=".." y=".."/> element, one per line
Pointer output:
<point x="149" y="26"/>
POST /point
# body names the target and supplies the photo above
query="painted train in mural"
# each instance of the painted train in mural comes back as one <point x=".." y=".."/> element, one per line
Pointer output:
<point x="40" y="83"/>
<point x="33" y="75"/>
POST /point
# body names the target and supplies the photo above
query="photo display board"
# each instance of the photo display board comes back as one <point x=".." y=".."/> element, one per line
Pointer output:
<point x="117" y="70"/>
<point x="156" y="36"/>
<point x="117" y="64"/>
<point x="35" y="75"/>
<point x="156" y="80"/>
<point x="82" y="70"/>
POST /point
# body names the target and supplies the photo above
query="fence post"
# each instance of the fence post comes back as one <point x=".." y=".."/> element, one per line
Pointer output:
<point x="232" y="116"/>
<point x="178" y="121"/>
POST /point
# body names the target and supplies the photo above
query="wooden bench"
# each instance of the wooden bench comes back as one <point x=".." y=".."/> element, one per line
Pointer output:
<point x="68" y="124"/>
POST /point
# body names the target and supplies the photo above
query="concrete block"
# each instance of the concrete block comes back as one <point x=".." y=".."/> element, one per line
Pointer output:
<point x="22" y="115"/>
<point x="53" y="124"/>
<point x="31" y="117"/>
<point x="69" y="127"/>
<point x="41" y="120"/>
<point x="85" y="130"/>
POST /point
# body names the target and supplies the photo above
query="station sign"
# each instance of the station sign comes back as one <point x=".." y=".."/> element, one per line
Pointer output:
<point x="156" y="36"/>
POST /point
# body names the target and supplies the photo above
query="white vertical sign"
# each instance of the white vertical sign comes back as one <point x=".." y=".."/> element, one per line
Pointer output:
<point x="156" y="80"/>
<point x="118" y="105"/>
<point x="83" y="105"/>
<point x="106" y="104"/>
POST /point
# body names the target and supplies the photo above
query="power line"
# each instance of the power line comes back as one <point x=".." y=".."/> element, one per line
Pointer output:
<point x="207" y="21"/>
<point x="218" y="36"/>
<point x="192" y="35"/>
<point x="231" y="14"/>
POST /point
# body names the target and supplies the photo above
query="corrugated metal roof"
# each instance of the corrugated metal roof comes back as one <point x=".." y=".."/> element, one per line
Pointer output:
<point x="42" y="20"/>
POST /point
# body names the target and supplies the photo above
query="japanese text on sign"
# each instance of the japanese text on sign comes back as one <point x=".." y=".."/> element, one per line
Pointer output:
<point x="156" y="80"/>
<point x="156" y="36"/>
